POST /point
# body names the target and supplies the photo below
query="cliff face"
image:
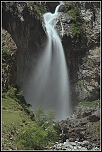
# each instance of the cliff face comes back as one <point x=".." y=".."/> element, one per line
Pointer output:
<point x="27" y="32"/>
<point x="9" y="61"/>
<point x="23" y="20"/>
<point x="80" y="23"/>
<point x="87" y="84"/>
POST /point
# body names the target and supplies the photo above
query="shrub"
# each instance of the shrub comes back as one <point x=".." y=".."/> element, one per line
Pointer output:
<point x="34" y="137"/>
<point x="41" y="117"/>
<point x="14" y="93"/>
<point x="41" y="134"/>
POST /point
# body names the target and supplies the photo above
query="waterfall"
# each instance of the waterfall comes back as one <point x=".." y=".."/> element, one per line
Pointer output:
<point x="49" y="85"/>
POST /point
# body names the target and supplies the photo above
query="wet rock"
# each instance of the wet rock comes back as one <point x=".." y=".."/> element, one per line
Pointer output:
<point x="63" y="137"/>
<point x="79" y="127"/>
<point x="84" y="143"/>
<point x="62" y="8"/>
<point x="18" y="19"/>
<point x="63" y="26"/>
<point x="94" y="118"/>
<point x="74" y="146"/>
<point x="87" y="113"/>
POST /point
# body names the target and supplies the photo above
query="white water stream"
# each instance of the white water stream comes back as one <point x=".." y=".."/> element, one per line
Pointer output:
<point x="50" y="83"/>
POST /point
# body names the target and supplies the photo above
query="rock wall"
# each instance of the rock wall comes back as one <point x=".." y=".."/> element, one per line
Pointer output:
<point x="9" y="61"/>
<point x="88" y="84"/>
<point x="27" y="32"/>
<point x="83" y="57"/>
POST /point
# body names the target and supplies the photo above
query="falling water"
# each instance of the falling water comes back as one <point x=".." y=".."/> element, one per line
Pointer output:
<point x="49" y="85"/>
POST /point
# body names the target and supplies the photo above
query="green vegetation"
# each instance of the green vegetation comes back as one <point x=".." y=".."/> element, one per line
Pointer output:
<point x="39" y="8"/>
<point x="96" y="127"/>
<point x="79" y="82"/>
<point x="6" y="56"/>
<point x="8" y="61"/>
<point x="78" y="32"/>
<point x="6" y="52"/>
<point x="92" y="104"/>
<point x="36" y="9"/>
<point x="13" y="93"/>
<point x="23" y="128"/>
<point x="95" y="131"/>
<point x="13" y="115"/>
<point x="42" y="134"/>
<point x="42" y="118"/>
<point x="32" y="138"/>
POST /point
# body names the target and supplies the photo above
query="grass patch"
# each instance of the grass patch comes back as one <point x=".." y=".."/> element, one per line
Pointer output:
<point x="12" y="112"/>
<point x="13" y="118"/>
<point x="89" y="104"/>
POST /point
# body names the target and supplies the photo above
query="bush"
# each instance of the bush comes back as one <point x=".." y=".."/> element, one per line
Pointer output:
<point x="43" y="118"/>
<point x="14" y="93"/>
<point x="32" y="138"/>
<point x="36" y="137"/>
<point x="41" y="134"/>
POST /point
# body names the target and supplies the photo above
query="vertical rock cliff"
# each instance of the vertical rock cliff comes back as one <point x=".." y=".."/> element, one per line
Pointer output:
<point x="26" y="30"/>
<point x="79" y="28"/>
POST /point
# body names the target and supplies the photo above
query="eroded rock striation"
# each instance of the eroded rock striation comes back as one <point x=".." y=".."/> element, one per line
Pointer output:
<point x="25" y="27"/>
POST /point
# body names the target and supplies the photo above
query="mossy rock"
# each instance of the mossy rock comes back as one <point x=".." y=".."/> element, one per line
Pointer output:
<point x="76" y="22"/>
<point x="92" y="104"/>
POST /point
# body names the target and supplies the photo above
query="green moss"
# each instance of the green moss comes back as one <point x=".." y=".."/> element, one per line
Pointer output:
<point x="92" y="104"/>
<point x="96" y="128"/>
<point x="8" y="60"/>
<point x="36" y="9"/>
<point x="78" y="31"/>
<point x="5" y="51"/>
<point x="74" y="13"/>
<point x="79" y="82"/>
<point x="6" y="56"/>
<point x="40" y="8"/>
